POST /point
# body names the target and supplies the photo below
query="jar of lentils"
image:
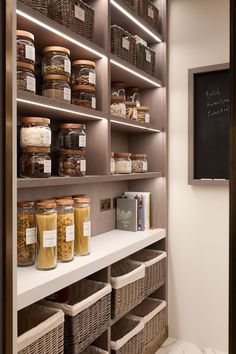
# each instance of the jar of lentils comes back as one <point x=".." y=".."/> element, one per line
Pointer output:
<point x="35" y="131"/>
<point x="84" y="95"/>
<point x="72" y="163"/>
<point x="83" y="73"/>
<point x="25" y="47"/>
<point x="72" y="136"/>
<point x="139" y="163"/>
<point x="35" y="162"/>
<point x="25" y="77"/>
<point x="123" y="163"/>
<point x="57" y="87"/>
<point x="56" y="61"/>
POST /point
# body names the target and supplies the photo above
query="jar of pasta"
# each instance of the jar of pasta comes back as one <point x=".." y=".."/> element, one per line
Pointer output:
<point x="35" y="162"/>
<point x="72" y="163"/>
<point x="118" y="89"/>
<point x="82" y="225"/>
<point x="57" y="87"/>
<point x="46" y="220"/>
<point x="25" y="47"/>
<point x="139" y="163"/>
<point x="35" y="131"/>
<point x="56" y="61"/>
<point x="122" y="162"/>
<point x="133" y="95"/>
<point x="72" y="136"/>
<point x="83" y="72"/>
<point x="25" y="77"/>
<point x="26" y="234"/>
<point x="131" y="110"/>
<point x="118" y="106"/>
<point x="65" y="230"/>
<point x="112" y="164"/>
<point x="84" y="96"/>
<point x="143" y="114"/>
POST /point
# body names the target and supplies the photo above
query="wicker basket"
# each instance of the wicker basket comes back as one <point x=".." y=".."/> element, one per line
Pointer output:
<point x="145" y="58"/>
<point x="87" y="313"/>
<point x="93" y="350"/>
<point x="73" y="14"/>
<point x="127" y="280"/>
<point x="155" y="268"/>
<point x="38" y="5"/>
<point x="134" y="5"/>
<point x="123" y="44"/>
<point x="41" y="330"/>
<point x="153" y="313"/>
<point x="149" y="13"/>
<point x="127" y="336"/>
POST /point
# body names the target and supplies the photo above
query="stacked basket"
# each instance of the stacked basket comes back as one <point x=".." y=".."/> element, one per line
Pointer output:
<point x="146" y="10"/>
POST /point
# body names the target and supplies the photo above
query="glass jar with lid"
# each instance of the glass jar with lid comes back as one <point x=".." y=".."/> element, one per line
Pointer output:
<point x="82" y="225"/>
<point x="133" y="95"/>
<point x="131" y="110"/>
<point x="35" y="131"/>
<point x="46" y="220"/>
<point x="112" y="164"/>
<point x="143" y="114"/>
<point x="118" y="89"/>
<point x="123" y="163"/>
<point x="26" y="234"/>
<point x="25" y="47"/>
<point x="83" y="72"/>
<point x="84" y="95"/>
<point x="72" y="136"/>
<point x="56" y="61"/>
<point x="72" y="163"/>
<point x="118" y="106"/>
<point x="57" y="87"/>
<point x="65" y="230"/>
<point x="25" y="77"/>
<point x="139" y="163"/>
<point x="35" y="162"/>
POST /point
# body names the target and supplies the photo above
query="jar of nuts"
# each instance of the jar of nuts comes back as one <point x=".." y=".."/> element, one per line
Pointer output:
<point x="131" y="110"/>
<point x="25" y="47"/>
<point x="83" y="72"/>
<point x="72" y="163"/>
<point x="56" y="61"/>
<point x="139" y="163"/>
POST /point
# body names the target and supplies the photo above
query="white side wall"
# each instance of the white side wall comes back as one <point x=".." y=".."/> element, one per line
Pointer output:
<point x="198" y="216"/>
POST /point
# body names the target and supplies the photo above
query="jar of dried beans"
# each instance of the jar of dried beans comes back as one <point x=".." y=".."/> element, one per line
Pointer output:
<point x="25" y="77"/>
<point x="83" y="72"/>
<point x="57" y="87"/>
<point x="84" y="95"/>
<point x="25" y="47"/>
<point x="56" y="61"/>
<point x="72" y="163"/>
<point x="35" y="131"/>
<point x="72" y="136"/>
<point x="65" y="230"/>
<point x="139" y="163"/>
<point x="35" y="162"/>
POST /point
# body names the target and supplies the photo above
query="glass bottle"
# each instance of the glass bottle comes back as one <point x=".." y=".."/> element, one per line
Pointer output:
<point x="82" y="226"/>
<point x="65" y="230"/>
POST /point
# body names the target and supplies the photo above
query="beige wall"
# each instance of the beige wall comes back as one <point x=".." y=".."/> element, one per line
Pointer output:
<point x="198" y="216"/>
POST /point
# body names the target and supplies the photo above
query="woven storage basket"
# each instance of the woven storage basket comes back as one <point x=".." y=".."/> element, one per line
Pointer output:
<point x="149" y="13"/>
<point x="145" y="58"/>
<point x="41" y="330"/>
<point x="93" y="350"/>
<point x="127" y="336"/>
<point x="38" y="5"/>
<point x="153" y="313"/>
<point x="155" y="268"/>
<point x="73" y="14"/>
<point x="134" y="5"/>
<point x="127" y="280"/>
<point x="123" y="44"/>
<point x="87" y="313"/>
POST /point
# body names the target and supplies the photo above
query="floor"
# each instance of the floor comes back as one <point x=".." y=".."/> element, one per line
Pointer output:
<point x="173" y="346"/>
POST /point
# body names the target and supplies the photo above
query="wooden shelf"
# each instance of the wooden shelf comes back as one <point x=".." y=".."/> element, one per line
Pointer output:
<point x="130" y="126"/>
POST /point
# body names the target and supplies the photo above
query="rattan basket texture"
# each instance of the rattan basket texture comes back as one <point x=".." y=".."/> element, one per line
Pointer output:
<point x="150" y="13"/>
<point x="41" y="330"/>
<point x="154" y="316"/>
<point x="123" y="44"/>
<point x="155" y="268"/>
<point x="73" y="14"/>
<point x="38" y="5"/>
<point x="134" y="5"/>
<point x="127" y="336"/>
<point x="93" y="350"/>
<point x="87" y="313"/>
<point x="127" y="280"/>
<point x="145" y="58"/>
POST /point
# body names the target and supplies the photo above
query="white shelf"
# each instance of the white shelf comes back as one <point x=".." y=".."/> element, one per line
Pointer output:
<point x="33" y="285"/>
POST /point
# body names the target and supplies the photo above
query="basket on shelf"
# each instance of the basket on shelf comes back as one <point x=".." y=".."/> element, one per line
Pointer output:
<point x="134" y="5"/>
<point x="127" y="336"/>
<point x="38" y="5"/>
<point x="123" y="44"/>
<point x="73" y="14"/>
<point x="145" y="58"/>
<point x="41" y="330"/>
<point x="127" y="280"/>
<point x="91" y="349"/>
<point x="150" y="13"/>
<point x="155" y="268"/>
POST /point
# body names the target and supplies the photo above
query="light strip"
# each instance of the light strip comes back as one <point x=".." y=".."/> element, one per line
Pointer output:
<point x="136" y="126"/>
<point x="53" y="30"/>
<point x="137" y="22"/>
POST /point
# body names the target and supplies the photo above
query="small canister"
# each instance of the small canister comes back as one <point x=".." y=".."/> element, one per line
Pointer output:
<point x="143" y="114"/>
<point x="84" y="96"/>
<point x="25" y="47"/>
<point x="35" y="131"/>
<point x="131" y="110"/>
<point x="123" y="162"/>
<point x="57" y="87"/>
<point x="139" y="163"/>
<point x="25" y="77"/>
<point x="72" y="163"/>
<point x="82" y="226"/>
<point x="56" y="61"/>
<point x="65" y="230"/>
<point x="83" y="72"/>
<point x="35" y="162"/>
<point x="72" y="136"/>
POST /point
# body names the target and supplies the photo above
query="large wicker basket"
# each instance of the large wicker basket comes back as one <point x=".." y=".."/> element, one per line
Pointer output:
<point x="91" y="349"/>
<point x="41" y="330"/>
<point x="38" y="5"/>
<point x="123" y="44"/>
<point x="127" y="336"/>
<point x="149" y="13"/>
<point x="145" y="58"/>
<point x="127" y="279"/>
<point x="155" y="268"/>
<point x="134" y="5"/>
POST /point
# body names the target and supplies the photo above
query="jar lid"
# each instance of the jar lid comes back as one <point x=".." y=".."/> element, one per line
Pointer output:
<point x="143" y="108"/>
<point x="64" y="197"/>
<point x="122" y="154"/>
<point x="133" y="89"/>
<point x="117" y="99"/>
<point x="46" y="150"/>
<point x="25" y="34"/>
<point x="65" y="202"/>
<point x="56" y="77"/>
<point x="46" y="204"/>
<point x="71" y="126"/>
<point x="86" y="88"/>
<point x="79" y="196"/>
<point x="118" y="84"/>
<point x="82" y="200"/>
<point x="49" y="200"/>
<point x="23" y="65"/>
<point x="139" y="156"/>
<point x="83" y="62"/>
<point x="56" y="49"/>
<point x="25" y="204"/>
<point x="132" y="104"/>
<point x="71" y="152"/>
<point x="36" y="120"/>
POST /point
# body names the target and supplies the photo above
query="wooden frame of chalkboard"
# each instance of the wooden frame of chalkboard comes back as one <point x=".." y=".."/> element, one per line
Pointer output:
<point x="209" y="166"/>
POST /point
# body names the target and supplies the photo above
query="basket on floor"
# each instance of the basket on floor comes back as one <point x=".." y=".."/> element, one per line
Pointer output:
<point x="127" y="336"/>
<point x="153" y="313"/>
<point x="123" y="44"/>
<point x="145" y="58"/>
<point x="73" y="14"/>
<point x="91" y="349"/>
<point x="40" y="330"/>
<point x="155" y="268"/>
<point x="38" y="5"/>
<point x="127" y="280"/>
<point x="87" y="313"/>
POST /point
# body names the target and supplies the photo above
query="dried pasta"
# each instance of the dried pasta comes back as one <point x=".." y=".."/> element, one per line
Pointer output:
<point x="82" y="230"/>
<point x="65" y="248"/>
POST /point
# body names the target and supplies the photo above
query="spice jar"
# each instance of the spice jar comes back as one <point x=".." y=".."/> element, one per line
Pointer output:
<point x="56" y="61"/>
<point x="65" y="230"/>
<point x="26" y="234"/>
<point x="46" y="219"/>
<point x="133" y="95"/>
<point x="83" y="72"/>
<point x="118" y="89"/>
<point x="112" y="164"/>
<point x="25" y="77"/>
<point x="131" y="110"/>
<point x="72" y="163"/>
<point x="143" y="114"/>
<point x="25" y="47"/>
<point x="139" y="163"/>
<point x="118" y="106"/>
<point x="35" y="162"/>
<point x="72" y="136"/>
<point x="122" y="162"/>
<point x="84" y="95"/>
<point x="35" y="131"/>
<point x="82" y="225"/>
<point x="57" y="87"/>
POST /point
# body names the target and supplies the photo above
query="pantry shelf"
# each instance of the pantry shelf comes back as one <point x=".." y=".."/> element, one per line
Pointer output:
<point x="131" y="126"/>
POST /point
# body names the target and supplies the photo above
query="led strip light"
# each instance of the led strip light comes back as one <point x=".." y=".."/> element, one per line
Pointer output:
<point x="135" y="126"/>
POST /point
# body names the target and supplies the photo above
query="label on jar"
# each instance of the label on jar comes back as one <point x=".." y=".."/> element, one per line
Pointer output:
<point x="79" y="13"/>
<point x="70" y="233"/>
<point x="30" y="235"/>
<point x="30" y="52"/>
<point x="150" y="12"/>
<point x="93" y="102"/>
<point x="47" y="137"/>
<point x="49" y="238"/>
<point x="67" y="94"/>
<point x="92" y="78"/>
<point x="47" y="166"/>
<point x="125" y="43"/>
<point x="144" y="165"/>
<point x="82" y="141"/>
<point x="135" y="114"/>
<point x="147" y="118"/>
<point x="87" y="229"/>
<point x="148" y="56"/>
<point x="30" y="84"/>
<point x="67" y="66"/>
<point x="83" y="165"/>
<point x="112" y="166"/>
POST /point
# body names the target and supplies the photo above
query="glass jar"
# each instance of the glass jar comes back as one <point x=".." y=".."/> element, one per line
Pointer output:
<point x="72" y="163"/>
<point x="25" y="77"/>
<point x="65" y="230"/>
<point x="83" y="72"/>
<point x="133" y="95"/>
<point x="139" y="163"/>
<point x="35" y="162"/>
<point x="131" y="110"/>
<point x="35" y="131"/>
<point x="143" y="114"/>
<point x="57" y="87"/>
<point x="56" y="61"/>
<point x="46" y="219"/>
<point x="118" y="106"/>
<point x="118" y="89"/>
<point x="84" y="95"/>
<point x="25" y="47"/>
<point x="26" y="234"/>
<point x="72" y="136"/>
<point x="112" y="164"/>
<point x="122" y="162"/>
<point x="82" y="226"/>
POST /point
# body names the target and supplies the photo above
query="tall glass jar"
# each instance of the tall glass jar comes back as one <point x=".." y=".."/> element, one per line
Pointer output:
<point x="65" y="230"/>
<point x="56" y="61"/>
<point x="122" y="163"/>
<point x="57" y="87"/>
<point x="133" y="95"/>
<point x="72" y="136"/>
<point x="25" y="77"/>
<point x="35" y="131"/>
<point x="82" y="226"/>
<point x="118" y="106"/>
<point x="46" y="219"/>
<point x="118" y="89"/>
<point x="72" y="163"/>
<point x="84" y="95"/>
<point x="83" y="72"/>
<point x="35" y="162"/>
<point x="26" y="234"/>
<point x="131" y="110"/>
<point x="25" y="47"/>
<point x="112" y="164"/>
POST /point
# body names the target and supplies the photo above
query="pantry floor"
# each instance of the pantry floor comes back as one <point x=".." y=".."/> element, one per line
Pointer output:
<point x="174" y="346"/>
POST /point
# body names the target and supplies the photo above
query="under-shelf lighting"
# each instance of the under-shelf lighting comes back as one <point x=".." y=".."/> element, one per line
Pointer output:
<point x="53" y="30"/>
<point x="136" y="21"/>
<point x="136" y="126"/>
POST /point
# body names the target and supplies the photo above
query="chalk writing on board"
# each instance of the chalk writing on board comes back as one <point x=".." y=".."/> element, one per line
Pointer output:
<point x="217" y="105"/>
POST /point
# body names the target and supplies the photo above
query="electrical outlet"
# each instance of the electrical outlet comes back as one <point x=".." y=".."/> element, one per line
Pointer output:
<point x="105" y="204"/>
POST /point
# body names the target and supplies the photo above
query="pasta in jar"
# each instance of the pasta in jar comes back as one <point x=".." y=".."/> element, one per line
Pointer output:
<point x="82" y="226"/>
<point x="65" y="230"/>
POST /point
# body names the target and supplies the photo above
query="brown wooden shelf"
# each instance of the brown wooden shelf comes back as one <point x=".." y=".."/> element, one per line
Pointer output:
<point x="132" y="126"/>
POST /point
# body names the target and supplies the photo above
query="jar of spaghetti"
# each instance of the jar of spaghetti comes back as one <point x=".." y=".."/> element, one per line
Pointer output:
<point x="131" y="110"/>
<point x="72" y="136"/>
<point x="35" y="162"/>
<point x="25" y="47"/>
<point x="122" y="162"/>
<point x="118" y="106"/>
<point x="112" y="164"/>
<point x="139" y="163"/>
<point x="143" y="114"/>
<point x="56" y="61"/>
<point x="84" y="96"/>
<point x="65" y="230"/>
<point x="25" y="77"/>
<point x="82" y="226"/>
<point x="72" y="163"/>
<point x="133" y="95"/>
<point x="35" y="131"/>
<point x="57" y="87"/>
<point x="83" y="73"/>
